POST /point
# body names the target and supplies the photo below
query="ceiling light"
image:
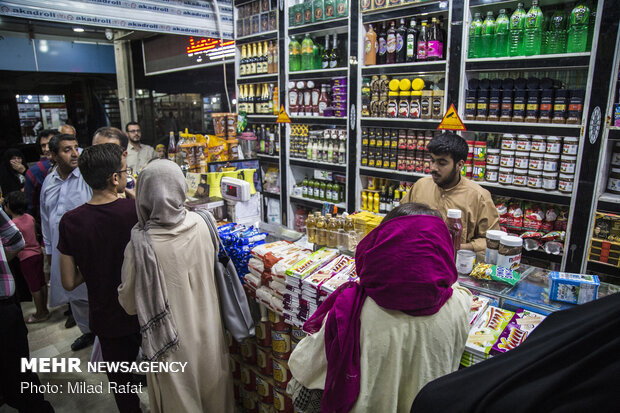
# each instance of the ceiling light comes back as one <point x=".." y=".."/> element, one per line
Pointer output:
<point x="29" y="96"/>
<point x="78" y="29"/>
<point x="46" y="98"/>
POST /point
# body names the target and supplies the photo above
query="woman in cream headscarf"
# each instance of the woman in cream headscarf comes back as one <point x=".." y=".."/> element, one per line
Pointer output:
<point x="168" y="281"/>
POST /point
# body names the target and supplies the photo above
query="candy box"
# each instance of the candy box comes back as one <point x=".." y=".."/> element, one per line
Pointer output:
<point x="487" y="330"/>
<point x="478" y="307"/>
<point x="517" y="330"/>
<point x="573" y="288"/>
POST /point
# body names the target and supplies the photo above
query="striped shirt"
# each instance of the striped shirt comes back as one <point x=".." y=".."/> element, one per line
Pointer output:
<point x="12" y="241"/>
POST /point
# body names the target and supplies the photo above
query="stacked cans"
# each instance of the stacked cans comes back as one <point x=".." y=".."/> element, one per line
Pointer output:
<point x="339" y="97"/>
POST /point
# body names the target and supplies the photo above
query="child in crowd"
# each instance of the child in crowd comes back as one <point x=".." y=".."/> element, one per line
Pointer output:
<point x="31" y="257"/>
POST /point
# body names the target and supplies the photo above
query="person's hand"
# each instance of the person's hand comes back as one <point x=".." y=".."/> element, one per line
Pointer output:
<point x="18" y="166"/>
<point x="130" y="193"/>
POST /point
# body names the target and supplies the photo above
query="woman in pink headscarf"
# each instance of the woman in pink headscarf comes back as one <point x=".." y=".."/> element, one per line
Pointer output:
<point x="377" y="343"/>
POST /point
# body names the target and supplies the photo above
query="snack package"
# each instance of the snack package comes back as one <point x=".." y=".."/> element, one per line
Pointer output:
<point x="517" y="330"/>
<point x="487" y="330"/>
<point x="478" y="307"/>
<point x="533" y="217"/>
<point x="217" y="149"/>
<point x="492" y="272"/>
<point x="312" y="263"/>
<point x="515" y="216"/>
<point x="573" y="288"/>
<point x="340" y="264"/>
<point x="551" y="215"/>
<point x="562" y="220"/>
<point x="502" y="210"/>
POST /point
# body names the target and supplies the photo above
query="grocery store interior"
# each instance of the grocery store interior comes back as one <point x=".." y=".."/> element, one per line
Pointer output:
<point x="301" y="124"/>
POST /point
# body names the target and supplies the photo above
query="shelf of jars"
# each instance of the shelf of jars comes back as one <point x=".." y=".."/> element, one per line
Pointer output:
<point x="378" y="10"/>
<point x="268" y="158"/>
<point x="318" y="165"/>
<point x="391" y="174"/>
<point x="422" y="67"/>
<point x="401" y="122"/>
<point x="259" y="37"/>
<point x="609" y="203"/>
<point x="564" y="61"/>
<point x="531" y="194"/>
<point x="319" y="120"/>
<point x="313" y="203"/>
<point x="318" y="74"/>
<point x="265" y="77"/>
<point x="523" y="127"/>
<point x="324" y="25"/>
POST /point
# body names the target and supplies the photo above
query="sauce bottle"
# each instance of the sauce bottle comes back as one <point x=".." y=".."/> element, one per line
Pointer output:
<point x="370" y="47"/>
<point x="455" y="226"/>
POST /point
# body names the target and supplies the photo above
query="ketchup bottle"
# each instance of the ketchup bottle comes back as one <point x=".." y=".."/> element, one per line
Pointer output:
<point x="455" y="226"/>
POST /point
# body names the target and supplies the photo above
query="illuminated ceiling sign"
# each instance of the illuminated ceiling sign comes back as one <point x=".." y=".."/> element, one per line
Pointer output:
<point x="211" y="48"/>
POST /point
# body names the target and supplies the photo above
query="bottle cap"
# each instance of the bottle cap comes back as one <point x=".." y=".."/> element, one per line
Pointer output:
<point x="511" y="241"/>
<point x="393" y="85"/>
<point x="405" y="84"/>
<point x="454" y="213"/>
<point x="494" y="234"/>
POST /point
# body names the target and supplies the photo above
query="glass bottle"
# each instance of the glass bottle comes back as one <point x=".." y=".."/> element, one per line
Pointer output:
<point x="401" y="38"/>
<point x="326" y="57"/>
<point x="370" y="47"/>
<point x="311" y="228"/>
<point x="332" y="233"/>
<point x="391" y="44"/>
<point x="294" y="55"/>
<point x="412" y="41"/>
<point x="422" y="39"/>
<point x="455" y="226"/>
<point x="321" y="231"/>
<point x="382" y="50"/>
<point x="333" y="56"/>
<point x="435" y="41"/>
<point x="242" y="61"/>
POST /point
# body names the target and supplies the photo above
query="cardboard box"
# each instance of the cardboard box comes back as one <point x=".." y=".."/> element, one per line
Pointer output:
<point x="573" y="288"/>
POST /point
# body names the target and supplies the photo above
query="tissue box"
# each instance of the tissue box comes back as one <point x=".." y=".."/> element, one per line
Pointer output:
<point x="573" y="288"/>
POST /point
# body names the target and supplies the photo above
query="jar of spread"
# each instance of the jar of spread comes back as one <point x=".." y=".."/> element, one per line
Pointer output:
<point x="509" y="142"/>
<point x="478" y="173"/>
<point x="549" y="181"/>
<point x="551" y="163"/>
<point x="415" y="104"/>
<point x="480" y="151"/>
<point x="505" y="176"/>
<point x="520" y="177"/>
<point x="534" y="179"/>
<point x="536" y="161"/>
<point x="539" y="144"/>
<point x="613" y="182"/>
<point x="570" y="146"/>
<point x="565" y="183"/>
<point x="425" y="104"/>
<point x="522" y="160"/>
<point x="554" y="145"/>
<point x="507" y="159"/>
<point x="392" y="106"/>
<point x="524" y="143"/>
<point x="493" y="239"/>
<point x="403" y="104"/>
<point x="491" y="173"/>
<point x="568" y="164"/>
<point x="509" y="252"/>
<point x="493" y="156"/>
<point x="468" y="169"/>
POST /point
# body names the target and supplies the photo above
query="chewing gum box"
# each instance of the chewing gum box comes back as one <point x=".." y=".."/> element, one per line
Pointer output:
<point x="573" y="288"/>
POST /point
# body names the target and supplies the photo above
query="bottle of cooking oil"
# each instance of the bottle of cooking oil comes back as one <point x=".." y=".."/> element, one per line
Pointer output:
<point x="332" y="233"/>
<point x="321" y="232"/>
<point x="311" y="228"/>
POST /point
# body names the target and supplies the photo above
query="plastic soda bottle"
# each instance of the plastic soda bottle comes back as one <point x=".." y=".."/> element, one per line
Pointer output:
<point x="488" y="36"/>
<point x="502" y="31"/>
<point x="533" y="30"/>
<point x="475" y="32"/>
<point x="294" y="55"/>
<point x="578" y="29"/>
<point x="307" y="56"/>
<point x="517" y="27"/>
<point x="556" y="42"/>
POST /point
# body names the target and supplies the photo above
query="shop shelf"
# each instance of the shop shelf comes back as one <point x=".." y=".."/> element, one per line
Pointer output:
<point x="391" y="174"/>
<point x="318" y="165"/>
<point x="401" y="123"/>
<point x="262" y="118"/>
<point x="311" y="203"/>
<point x="259" y="37"/>
<point x="602" y="269"/>
<point x="542" y="255"/>
<point x="412" y="9"/>
<point x="239" y="3"/>
<point x="614" y="133"/>
<point x="538" y="195"/>
<point x="609" y="203"/>
<point x="268" y="158"/>
<point x="318" y="74"/>
<point x="565" y="61"/>
<point x="327" y="25"/>
<point x="523" y="127"/>
<point x="262" y="78"/>
<point x="271" y="195"/>
<point x="399" y="68"/>
<point x="319" y="120"/>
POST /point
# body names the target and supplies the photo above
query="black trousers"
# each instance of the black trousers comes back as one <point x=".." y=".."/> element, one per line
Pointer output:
<point x="14" y="346"/>
<point x="122" y="349"/>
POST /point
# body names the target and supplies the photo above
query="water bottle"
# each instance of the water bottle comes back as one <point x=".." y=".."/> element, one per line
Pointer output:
<point x="578" y="30"/>
<point x="488" y="36"/>
<point x="502" y="31"/>
<point x="307" y="56"/>
<point x="475" y="33"/>
<point x="556" y="42"/>
<point x="533" y="30"/>
<point x="517" y="27"/>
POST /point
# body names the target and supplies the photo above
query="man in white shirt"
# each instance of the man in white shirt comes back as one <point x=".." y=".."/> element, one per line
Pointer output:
<point x="138" y="154"/>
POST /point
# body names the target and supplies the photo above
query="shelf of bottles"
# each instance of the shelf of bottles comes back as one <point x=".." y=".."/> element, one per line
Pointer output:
<point x="318" y="147"/>
<point x="380" y="195"/>
<point x="256" y="21"/>
<point x="377" y="10"/>
<point x="306" y="16"/>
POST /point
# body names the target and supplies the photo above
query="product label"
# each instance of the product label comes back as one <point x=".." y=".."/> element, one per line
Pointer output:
<point x="318" y="14"/>
<point x="425" y="108"/>
<point x="367" y="46"/>
<point x="399" y="42"/>
<point x="491" y="175"/>
<point x="410" y="48"/>
<point x="391" y="43"/>
<point x="565" y="185"/>
<point x="534" y="182"/>
<point x="299" y="17"/>
<point x="365" y="4"/>
<point x="403" y="109"/>
<point x="422" y="52"/>
<point x="308" y="16"/>
<point x="341" y="8"/>
<point x="382" y="46"/>
<point x="434" y="49"/>
<point x="329" y="11"/>
<point x="379" y="4"/>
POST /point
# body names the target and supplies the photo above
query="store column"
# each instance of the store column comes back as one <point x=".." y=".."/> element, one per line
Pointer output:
<point x="124" y="80"/>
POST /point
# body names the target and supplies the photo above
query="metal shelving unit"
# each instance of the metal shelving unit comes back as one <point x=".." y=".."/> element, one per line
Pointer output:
<point x="609" y="203"/>
<point x="318" y="74"/>
<point x="312" y="203"/>
<point x="524" y="127"/>
<point x="404" y="68"/>
<point x="326" y="25"/>
<point x="425" y="8"/>
<point x="260" y="37"/>
<point x="538" y="62"/>
<point x="319" y="120"/>
<point x="391" y="174"/>
<point x="318" y="165"/>
<point x="262" y="78"/>
<point x="268" y="158"/>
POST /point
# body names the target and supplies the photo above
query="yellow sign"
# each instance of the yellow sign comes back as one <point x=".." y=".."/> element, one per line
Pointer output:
<point x="283" y="117"/>
<point x="451" y="120"/>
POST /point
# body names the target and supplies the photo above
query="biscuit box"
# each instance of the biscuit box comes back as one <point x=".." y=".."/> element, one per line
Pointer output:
<point x="573" y="288"/>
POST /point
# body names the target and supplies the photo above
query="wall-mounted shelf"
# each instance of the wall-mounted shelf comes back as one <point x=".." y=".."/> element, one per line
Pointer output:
<point x="414" y="9"/>
<point x="614" y="133"/>
<point x="401" y="123"/>
<point x="271" y="195"/>
<point x="268" y="158"/>
<point x="318" y="165"/>
<point x="542" y="256"/>
<point x="326" y="25"/>
<point x="262" y="118"/>
<point x="319" y="74"/>
<point x="560" y="129"/>
<point x="609" y="203"/>
<point x="262" y="78"/>
<point x="391" y="174"/>
<point x="319" y="120"/>
<point x="538" y="195"/>
<point x="404" y="68"/>
<point x="311" y="203"/>
<point x="538" y="62"/>
<point x="258" y="37"/>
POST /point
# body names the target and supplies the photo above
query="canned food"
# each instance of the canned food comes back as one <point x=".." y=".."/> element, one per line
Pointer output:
<point x="281" y="402"/>
<point x="281" y="344"/>
<point x="264" y="361"/>
<point x="265" y="407"/>
<point x="264" y="389"/>
<point x="298" y="334"/>
<point x="478" y="173"/>
<point x="249" y="401"/>
<point x="281" y="373"/>
<point x="263" y="333"/>
<point x="248" y="351"/>
<point x="235" y="368"/>
<point x="233" y="345"/>
<point x="277" y="322"/>
<point x="248" y="378"/>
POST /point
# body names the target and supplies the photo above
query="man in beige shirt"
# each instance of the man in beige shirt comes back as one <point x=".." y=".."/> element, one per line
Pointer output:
<point x="446" y="189"/>
<point x="138" y="154"/>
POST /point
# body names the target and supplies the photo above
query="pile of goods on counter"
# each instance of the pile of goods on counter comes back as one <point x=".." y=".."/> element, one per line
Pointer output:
<point x="238" y="241"/>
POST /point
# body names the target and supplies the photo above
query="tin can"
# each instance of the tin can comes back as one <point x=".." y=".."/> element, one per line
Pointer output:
<point x="248" y="351"/>
<point x="264" y="361"/>
<point x="263" y="333"/>
<point x="264" y="389"/>
<point x="281" y="373"/>
<point x="281" y="402"/>
<point x="277" y="322"/>
<point x="281" y="344"/>
<point x="248" y="378"/>
<point x="235" y="368"/>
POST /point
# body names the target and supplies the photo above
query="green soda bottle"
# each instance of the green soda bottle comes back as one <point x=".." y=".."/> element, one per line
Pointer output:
<point x="488" y="36"/>
<point x="578" y="30"/>
<point x="294" y="55"/>
<point x="556" y="42"/>
<point x="533" y="30"/>
<point x="307" y="60"/>
<point x="517" y="28"/>
<point x="317" y="60"/>
<point x="475" y="33"/>
<point x="502" y="31"/>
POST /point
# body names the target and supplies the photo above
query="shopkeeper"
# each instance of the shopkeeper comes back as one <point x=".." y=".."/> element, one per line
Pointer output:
<point x="446" y="189"/>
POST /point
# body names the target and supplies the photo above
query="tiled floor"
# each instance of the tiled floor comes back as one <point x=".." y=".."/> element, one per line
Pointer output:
<point x="52" y="339"/>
